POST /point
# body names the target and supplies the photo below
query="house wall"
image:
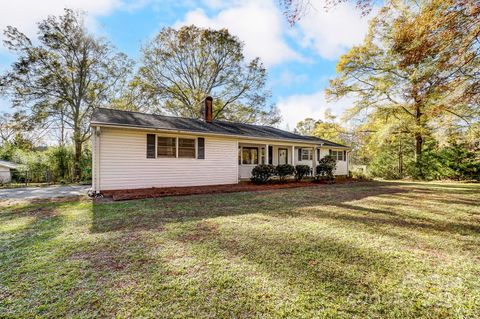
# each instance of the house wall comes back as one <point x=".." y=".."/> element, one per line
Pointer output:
<point x="122" y="162"/>
<point x="5" y="176"/>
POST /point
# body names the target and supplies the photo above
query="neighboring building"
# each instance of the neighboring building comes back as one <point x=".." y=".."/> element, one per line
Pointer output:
<point x="137" y="150"/>
<point x="6" y="171"/>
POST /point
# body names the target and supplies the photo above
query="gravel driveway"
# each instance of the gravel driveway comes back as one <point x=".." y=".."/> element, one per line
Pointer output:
<point x="44" y="192"/>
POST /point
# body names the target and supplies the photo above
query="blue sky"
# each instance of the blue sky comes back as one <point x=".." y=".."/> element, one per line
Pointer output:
<point x="299" y="59"/>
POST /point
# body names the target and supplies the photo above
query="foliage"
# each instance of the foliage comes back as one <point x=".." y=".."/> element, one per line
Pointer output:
<point x="360" y="175"/>
<point x="262" y="173"/>
<point x="295" y="10"/>
<point x="56" y="164"/>
<point x="284" y="170"/>
<point x="412" y="85"/>
<point x="325" y="168"/>
<point x="180" y="68"/>
<point x="60" y="78"/>
<point x="301" y="171"/>
<point x="306" y="127"/>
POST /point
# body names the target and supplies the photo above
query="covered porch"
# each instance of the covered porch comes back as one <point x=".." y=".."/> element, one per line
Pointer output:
<point x="253" y="154"/>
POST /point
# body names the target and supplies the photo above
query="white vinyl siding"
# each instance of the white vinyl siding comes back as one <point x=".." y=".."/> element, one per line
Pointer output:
<point x="123" y="163"/>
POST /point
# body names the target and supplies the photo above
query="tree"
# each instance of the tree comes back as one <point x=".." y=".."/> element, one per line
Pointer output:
<point x="180" y="68"/>
<point x="306" y="127"/>
<point x="294" y="10"/>
<point x="63" y="77"/>
<point x="411" y="95"/>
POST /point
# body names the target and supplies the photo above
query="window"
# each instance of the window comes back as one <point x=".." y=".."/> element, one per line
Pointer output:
<point x="201" y="148"/>
<point x="306" y="154"/>
<point x="186" y="148"/>
<point x="166" y="147"/>
<point x="338" y="155"/>
<point x="250" y="155"/>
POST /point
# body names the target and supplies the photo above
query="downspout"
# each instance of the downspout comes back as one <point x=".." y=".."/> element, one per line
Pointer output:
<point x="97" y="160"/>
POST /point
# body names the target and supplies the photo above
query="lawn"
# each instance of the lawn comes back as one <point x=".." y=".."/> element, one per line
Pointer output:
<point x="365" y="250"/>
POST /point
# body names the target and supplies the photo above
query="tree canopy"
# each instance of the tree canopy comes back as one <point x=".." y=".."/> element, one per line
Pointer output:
<point x="180" y="68"/>
<point x="399" y="76"/>
<point x="64" y="75"/>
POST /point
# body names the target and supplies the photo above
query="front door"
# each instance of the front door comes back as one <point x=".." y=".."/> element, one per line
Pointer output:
<point x="282" y="156"/>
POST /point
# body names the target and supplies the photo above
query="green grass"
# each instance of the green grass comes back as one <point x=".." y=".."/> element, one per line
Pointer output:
<point x="366" y="250"/>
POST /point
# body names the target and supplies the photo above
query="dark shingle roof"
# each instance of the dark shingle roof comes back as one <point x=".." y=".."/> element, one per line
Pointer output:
<point x="137" y="119"/>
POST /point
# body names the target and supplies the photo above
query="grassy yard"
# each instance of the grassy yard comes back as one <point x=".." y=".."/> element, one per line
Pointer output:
<point x="376" y="250"/>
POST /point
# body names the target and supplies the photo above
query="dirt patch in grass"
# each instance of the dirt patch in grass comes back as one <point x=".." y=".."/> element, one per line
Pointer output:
<point x="141" y="193"/>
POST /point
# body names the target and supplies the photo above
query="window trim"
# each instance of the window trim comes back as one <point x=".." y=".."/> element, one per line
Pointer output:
<point x="309" y="152"/>
<point x="176" y="146"/>
<point x="250" y="147"/>
<point x="336" y="157"/>
<point x="177" y="137"/>
<point x="195" y="146"/>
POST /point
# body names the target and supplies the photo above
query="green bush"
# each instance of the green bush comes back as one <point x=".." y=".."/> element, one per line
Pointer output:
<point x="359" y="175"/>
<point x="284" y="170"/>
<point x="325" y="168"/>
<point x="52" y="165"/>
<point x="262" y="173"/>
<point x="301" y="171"/>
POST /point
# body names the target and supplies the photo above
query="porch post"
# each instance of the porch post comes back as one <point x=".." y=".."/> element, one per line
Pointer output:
<point x="266" y="154"/>
<point x="293" y="155"/>
<point x="314" y="159"/>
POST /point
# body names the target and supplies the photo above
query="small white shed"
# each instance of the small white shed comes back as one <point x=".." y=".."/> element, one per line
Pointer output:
<point x="6" y="171"/>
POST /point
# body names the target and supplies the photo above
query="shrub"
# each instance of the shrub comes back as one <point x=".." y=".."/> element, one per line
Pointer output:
<point x="325" y="168"/>
<point x="301" y="171"/>
<point x="284" y="170"/>
<point x="262" y="173"/>
<point x="360" y="175"/>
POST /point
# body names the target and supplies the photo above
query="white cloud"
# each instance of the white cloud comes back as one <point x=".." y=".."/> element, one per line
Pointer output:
<point x="296" y="108"/>
<point x="288" y="78"/>
<point x="331" y="33"/>
<point x="258" y="23"/>
<point x="25" y="14"/>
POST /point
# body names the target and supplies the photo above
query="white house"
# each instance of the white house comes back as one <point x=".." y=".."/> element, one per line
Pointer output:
<point x="6" y="171"/>
<point x="137" y="150"/>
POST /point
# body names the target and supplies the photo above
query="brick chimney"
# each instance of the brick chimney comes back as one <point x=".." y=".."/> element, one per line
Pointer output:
<point x="208" y="109"/>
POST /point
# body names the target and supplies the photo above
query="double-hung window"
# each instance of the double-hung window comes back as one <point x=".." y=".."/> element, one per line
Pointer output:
<point x="306" y="154"/>
<point x="250" y="155"/>
<point x="175" y="147"/>
<point x="338" y="155"/>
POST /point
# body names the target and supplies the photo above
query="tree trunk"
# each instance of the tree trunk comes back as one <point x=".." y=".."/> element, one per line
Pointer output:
<point x="77" y="172"/>
<point x="400" y="157"/>
<point x="418" y="141"/>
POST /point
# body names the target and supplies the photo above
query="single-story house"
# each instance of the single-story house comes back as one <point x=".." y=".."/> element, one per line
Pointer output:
<point x="138" y="150"/>
<point x="6" y="168"/>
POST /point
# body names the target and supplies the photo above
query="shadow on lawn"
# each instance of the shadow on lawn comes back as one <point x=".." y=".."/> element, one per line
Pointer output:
<point x="154" y="213"/>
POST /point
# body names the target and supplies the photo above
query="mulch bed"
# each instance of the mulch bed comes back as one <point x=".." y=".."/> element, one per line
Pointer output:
<point x="141" y="193"/>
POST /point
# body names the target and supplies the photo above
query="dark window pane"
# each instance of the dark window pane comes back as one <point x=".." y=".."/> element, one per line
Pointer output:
<point x="150" y="145"/>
